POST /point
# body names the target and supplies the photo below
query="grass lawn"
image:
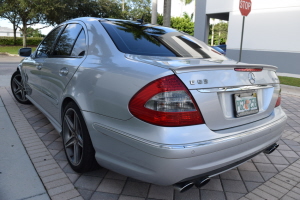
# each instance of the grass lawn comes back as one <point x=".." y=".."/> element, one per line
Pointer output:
<point x="12" y="49"/>
<point x="289" y="81"/>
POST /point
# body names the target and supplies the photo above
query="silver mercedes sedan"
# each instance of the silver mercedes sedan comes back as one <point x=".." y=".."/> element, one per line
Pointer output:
<point x="149" y="102"/>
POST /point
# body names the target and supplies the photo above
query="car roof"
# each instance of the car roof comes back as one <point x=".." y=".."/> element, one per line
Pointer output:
<point x="87" y="19"/>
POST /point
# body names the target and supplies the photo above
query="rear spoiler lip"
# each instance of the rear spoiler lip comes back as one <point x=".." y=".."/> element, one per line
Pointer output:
<point x="183" y="65"/>
<point x="186" y="69"/>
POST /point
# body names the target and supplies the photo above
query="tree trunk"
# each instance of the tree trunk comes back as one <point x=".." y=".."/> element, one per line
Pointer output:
<point x="15" y="34"/>
<point x="24" y="30"/>
<point x="167" y="13"/>
<point x="154" y="12"/>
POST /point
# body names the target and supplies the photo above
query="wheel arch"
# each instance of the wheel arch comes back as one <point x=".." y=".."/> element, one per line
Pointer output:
<point x="64" y="103"/>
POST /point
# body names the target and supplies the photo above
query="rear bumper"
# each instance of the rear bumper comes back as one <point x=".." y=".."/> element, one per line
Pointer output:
<point x="166" y="164"/>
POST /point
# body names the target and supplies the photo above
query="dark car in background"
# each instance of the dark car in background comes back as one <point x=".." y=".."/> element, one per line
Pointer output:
<point x="223" y="47"/>
<point x="219" y="50"/>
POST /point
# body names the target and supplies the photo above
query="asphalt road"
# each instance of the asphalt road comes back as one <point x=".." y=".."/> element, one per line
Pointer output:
<point x="8" y="64"/>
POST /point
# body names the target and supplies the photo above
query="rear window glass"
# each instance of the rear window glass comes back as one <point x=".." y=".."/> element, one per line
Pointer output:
<point x="134" y="39"/>
<point x="144" y="39"/>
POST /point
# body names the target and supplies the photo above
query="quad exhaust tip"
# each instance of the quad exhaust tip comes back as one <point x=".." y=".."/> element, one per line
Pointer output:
<point x="201" y="182"/>
<point x="271" y="148"/>
<point x="185" y="186"/>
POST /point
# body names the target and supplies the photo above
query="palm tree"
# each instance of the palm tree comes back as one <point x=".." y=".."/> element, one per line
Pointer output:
<point x="167" y="11"/>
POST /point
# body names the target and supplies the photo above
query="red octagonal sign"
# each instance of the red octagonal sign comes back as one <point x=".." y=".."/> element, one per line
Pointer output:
<point x="245" y="7"/>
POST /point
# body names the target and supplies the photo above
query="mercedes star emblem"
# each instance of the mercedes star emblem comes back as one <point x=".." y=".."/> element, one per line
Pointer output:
<point x="251" y="78"/>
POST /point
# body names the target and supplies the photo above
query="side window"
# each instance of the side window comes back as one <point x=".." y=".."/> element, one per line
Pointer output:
<point x="44" y="49"/>
<point x="66" y="40"/>
<point x="80" y="45"/>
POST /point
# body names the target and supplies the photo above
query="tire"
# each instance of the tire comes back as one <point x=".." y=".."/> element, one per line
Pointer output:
<point x="18" y="89"/>
<point x="77" y="143"/>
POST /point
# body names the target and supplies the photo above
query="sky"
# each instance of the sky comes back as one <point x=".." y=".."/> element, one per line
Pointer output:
<point x="44" y="31"/>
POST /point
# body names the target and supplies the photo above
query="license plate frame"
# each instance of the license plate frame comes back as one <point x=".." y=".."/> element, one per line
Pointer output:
<point x="245" y="104"/>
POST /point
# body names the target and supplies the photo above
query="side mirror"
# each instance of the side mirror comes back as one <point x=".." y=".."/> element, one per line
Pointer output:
<point x="25" y="52"/>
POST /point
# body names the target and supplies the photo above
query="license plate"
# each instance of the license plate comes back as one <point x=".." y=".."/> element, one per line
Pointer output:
<point x="245" y="104"/>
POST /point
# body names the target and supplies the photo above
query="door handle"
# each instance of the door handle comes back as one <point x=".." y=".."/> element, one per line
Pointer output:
<point x="63" y="71"/>
<point x="39" y="67"/>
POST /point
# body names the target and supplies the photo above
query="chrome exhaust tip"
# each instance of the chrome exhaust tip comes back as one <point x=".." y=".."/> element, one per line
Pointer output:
<point x="271" y="148"/>
<point x="201" y="182"/>
<point x="183" y="186"/>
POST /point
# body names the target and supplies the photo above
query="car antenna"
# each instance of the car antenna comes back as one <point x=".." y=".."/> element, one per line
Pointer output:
<point x="141" y="20"/>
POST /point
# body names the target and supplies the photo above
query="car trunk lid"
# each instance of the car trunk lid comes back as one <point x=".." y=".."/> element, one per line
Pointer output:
<point x="221" y="92"/>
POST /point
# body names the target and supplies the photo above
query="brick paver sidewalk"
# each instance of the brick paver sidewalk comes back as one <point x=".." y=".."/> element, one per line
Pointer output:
<point x="275" y="176"/>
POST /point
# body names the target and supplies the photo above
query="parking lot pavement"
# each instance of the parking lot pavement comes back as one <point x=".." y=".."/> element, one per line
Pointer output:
<point x="274" y="176"/>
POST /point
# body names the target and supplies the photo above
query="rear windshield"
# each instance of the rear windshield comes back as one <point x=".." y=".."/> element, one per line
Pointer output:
<point x="144" y="39"/>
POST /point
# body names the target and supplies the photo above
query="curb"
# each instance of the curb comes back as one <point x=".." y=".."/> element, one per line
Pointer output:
<point x="8" y="54"/>
<point x="287" y="89"/>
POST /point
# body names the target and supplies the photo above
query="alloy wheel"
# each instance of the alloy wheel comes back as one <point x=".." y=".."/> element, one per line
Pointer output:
<point x="72" y="135"/>
<point x="18" y="88"/>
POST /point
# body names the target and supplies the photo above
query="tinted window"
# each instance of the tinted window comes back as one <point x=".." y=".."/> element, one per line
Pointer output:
<point x="144" y="39"/>
<point x="80" y="45"/>
<point x="45" y="47"/>
<point x="191" y="47"/>
<point x="136" y="39"/>
<point x="66" y="40"/>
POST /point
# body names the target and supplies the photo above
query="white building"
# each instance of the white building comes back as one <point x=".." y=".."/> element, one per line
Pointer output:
<point x="4" y="31"/>
<point x="271" y="34"/>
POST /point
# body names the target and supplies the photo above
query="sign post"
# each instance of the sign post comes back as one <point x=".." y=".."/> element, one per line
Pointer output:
<point x="245" y="9"/>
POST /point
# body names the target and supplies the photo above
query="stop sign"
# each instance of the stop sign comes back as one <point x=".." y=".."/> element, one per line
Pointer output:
<point x="245" y="7"/>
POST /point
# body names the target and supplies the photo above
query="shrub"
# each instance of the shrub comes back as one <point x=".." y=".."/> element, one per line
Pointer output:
<point x="180" y="23"/>
<point x="31" y="41"/>
<point x="183" y="24"/>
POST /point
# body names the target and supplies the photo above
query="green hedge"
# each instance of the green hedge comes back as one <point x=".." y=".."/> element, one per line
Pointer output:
<point x="183" y="24"/>
<point x="180" y="23"/>
<point x="31" y="41"/>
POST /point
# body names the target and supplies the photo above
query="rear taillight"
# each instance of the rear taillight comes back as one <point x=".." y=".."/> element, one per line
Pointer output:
<point x="248" y="69"/>
<point x="166" y="102"/>
<point x="278" y="99"/>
